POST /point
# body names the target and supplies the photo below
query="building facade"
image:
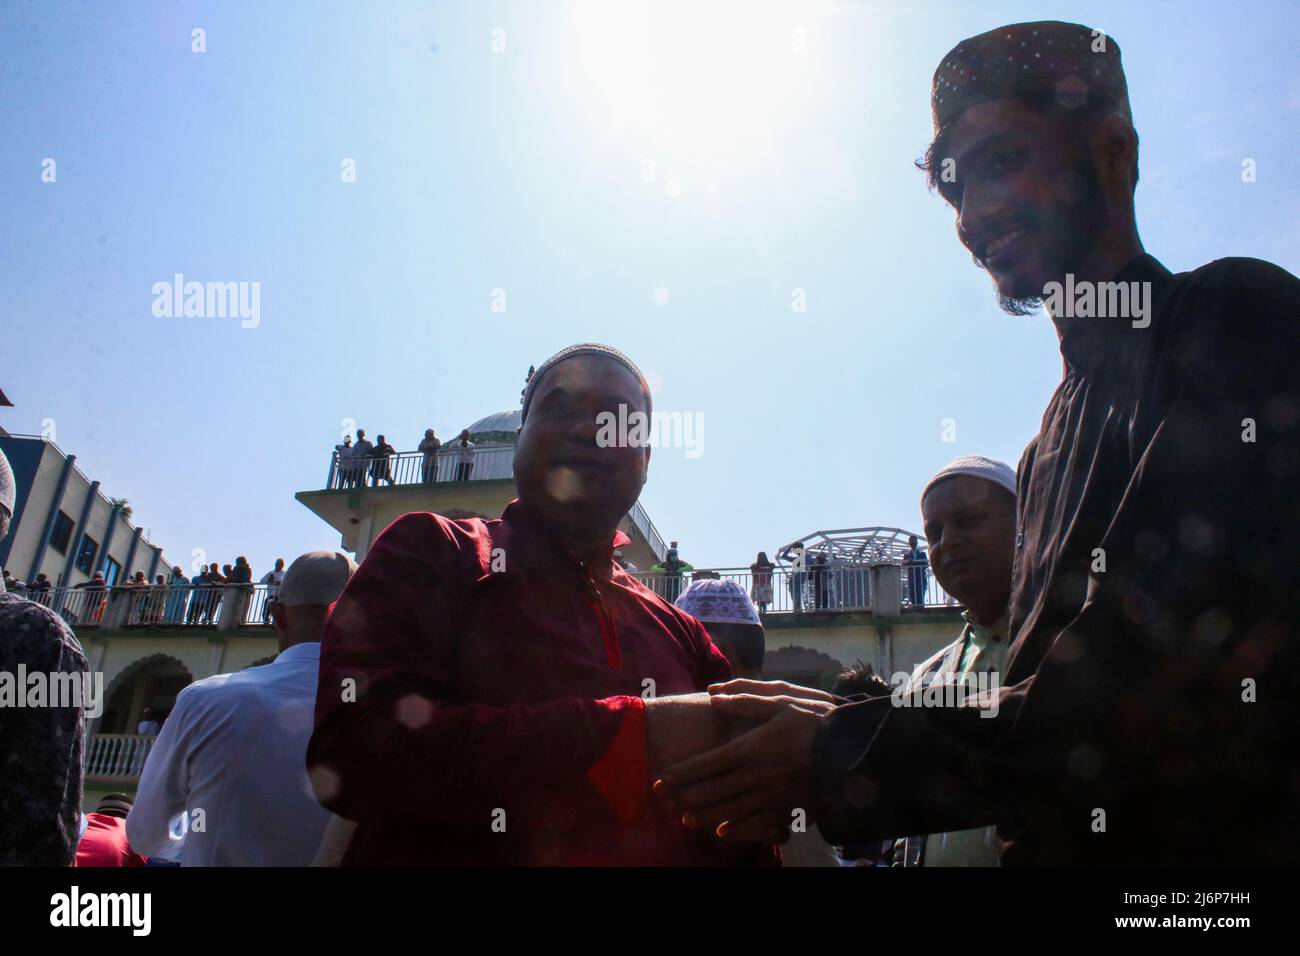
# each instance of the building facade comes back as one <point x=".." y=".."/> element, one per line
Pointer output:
<point x="64" y="526"/>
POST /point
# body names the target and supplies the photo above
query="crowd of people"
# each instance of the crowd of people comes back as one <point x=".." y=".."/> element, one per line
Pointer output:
<point x="368" y="464"/>
<point x="169" y="599"/>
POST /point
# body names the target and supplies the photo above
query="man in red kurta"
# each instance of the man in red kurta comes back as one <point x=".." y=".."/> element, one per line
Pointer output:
<point x="501" y="692"/>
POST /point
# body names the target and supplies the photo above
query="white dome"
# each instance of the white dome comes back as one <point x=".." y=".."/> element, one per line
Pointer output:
<point x="500" y="428"/>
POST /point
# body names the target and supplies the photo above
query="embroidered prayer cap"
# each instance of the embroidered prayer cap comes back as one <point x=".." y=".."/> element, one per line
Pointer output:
<point x="1074" y="62"/>
<point x="976" y="466"/>
<point x="718" y="602"/>
<point x="583" y="348"/>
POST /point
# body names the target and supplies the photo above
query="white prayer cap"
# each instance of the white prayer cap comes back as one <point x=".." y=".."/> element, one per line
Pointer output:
<point x="316" y="577"/>
<point x="718" y="602"/>
<point x="976" y="466"/>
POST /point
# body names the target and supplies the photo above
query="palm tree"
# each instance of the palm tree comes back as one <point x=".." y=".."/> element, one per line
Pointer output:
<point x="123" y="507"/>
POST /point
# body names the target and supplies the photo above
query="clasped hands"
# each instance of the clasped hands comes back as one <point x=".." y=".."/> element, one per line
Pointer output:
<point x="737" y="760"/>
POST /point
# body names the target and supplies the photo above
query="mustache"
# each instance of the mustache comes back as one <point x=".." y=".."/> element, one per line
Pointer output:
<point x="976" y="240"/>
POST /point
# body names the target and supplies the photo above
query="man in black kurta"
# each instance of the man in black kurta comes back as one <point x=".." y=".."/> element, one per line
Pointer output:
<point x="1150" y="711"/>
<point x="1161" y="690"/>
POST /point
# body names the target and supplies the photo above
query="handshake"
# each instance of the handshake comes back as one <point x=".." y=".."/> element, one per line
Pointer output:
<point x="737" y="760"/>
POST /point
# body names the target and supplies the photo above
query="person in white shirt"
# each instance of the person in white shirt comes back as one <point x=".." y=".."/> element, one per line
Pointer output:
<point x="464" y="456"/>
<point x="359" y="463"/>
<point x="344" y="451"/>
<point x="232" y="756"/>
<point x="272" y="580"/>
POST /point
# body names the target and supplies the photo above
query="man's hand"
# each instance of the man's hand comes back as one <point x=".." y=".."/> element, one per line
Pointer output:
<point x="747" y="789"/>
<point x="683" y="726"/>
<point x="770" y="688"/>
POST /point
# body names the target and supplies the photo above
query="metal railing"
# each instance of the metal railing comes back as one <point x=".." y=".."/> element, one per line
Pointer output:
<point x="179" y="605"/>
<point x="786" y="590"/>
<point x="416" y="468"/>
<point x="648" y="530"/>
<point x="118" y="755"/>
<point x="845" y="587"/>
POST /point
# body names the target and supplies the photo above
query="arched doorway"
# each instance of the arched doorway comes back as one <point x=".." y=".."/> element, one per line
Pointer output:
<point x="150" y="683"/>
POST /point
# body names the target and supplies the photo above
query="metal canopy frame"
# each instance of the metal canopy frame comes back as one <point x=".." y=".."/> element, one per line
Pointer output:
<point x="857" y="545"/>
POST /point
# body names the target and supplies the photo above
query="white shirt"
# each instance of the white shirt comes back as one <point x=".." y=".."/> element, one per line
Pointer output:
<point x="273" y="580"/>
<point x="465" y="453"/>
<point x="232" y="756"/>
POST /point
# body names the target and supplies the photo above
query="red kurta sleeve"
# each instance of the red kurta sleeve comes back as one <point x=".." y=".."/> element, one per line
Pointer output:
<point x="392" y="736"/>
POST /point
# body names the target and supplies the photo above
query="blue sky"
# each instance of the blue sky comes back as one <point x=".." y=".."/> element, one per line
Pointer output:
<point x="525" y="169"/>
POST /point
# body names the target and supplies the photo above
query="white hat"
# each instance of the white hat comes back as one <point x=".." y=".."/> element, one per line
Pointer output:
<point x="976" y="466"/>
<point x="718" y="602"/>
<point x="316" y="577"/>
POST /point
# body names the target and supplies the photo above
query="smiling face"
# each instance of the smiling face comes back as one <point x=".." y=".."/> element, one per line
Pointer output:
<point x="1029" y="203"/>
<point x="561" y="471"/>
<point x="970" y="524"/>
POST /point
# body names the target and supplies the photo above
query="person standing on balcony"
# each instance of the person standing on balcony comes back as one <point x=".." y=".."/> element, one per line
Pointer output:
<point x="761" y="574"/>
<point x="486" y="678"/>
<point x="343" y="462"/>
<point x="39" y="590"/>
<point x="624" y="563"/>
<point x="177" y="592"/>
<point x="217" y="581"/>
<point x="380" y="467"/>
<point x="40" y="747"/>
<point x="235" y="745"/>
<point x="92" y="610"/>
<point x="915" y="564"/>
<point x="149" y="725"/>
<point x="362" y="452"/>
<point x="272" y="579"/>
<point x="671" y="568"/>
<point x="157" y="599"/>
<point x="464" y="456"/>
<point x="798" y="556"/>
<point x="429" y="446"/>
<point x="241" y="575"/>
<point x="199" y="599"/>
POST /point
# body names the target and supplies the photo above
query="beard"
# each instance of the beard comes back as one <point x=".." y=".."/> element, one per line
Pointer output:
<point x="1075" y="226"/>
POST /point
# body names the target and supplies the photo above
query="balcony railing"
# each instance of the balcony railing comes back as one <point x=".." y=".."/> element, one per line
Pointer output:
<point x="415" y="468"/>
<point x="786" y="590"/>
<point x="181" y="605"/>
<point x="845" y="587"/>
<point x="119" y="756"/>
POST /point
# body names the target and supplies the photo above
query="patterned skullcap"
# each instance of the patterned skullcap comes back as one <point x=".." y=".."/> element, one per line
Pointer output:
<point x="976" y="466"/>
<point x="718" y="602"/>
<point x="584" y="348"/>
<point x="1047" y="56"/>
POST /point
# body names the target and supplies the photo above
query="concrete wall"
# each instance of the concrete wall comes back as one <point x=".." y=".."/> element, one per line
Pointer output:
<point x="888" y="645"/>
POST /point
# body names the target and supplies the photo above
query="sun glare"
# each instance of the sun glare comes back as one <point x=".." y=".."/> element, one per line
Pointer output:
<point x="706" y="87"/>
